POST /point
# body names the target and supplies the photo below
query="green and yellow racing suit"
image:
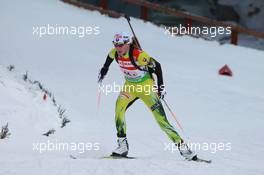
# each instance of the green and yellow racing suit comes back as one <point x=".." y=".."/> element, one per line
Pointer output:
<point x="139" y="85"/>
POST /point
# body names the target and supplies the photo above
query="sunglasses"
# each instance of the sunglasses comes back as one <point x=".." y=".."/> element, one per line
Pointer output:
<point x="118" y="45"/>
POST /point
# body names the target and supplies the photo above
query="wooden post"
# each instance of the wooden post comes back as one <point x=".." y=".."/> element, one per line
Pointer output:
<point x="188" y="24"/>
<point x="234" y="37"/>
<point x="103" y="4"/>
<point x="144" y="13"/>
<point x="45" y="97"/>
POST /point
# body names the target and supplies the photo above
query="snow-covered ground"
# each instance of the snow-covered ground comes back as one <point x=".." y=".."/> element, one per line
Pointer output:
<point x="211" y="108"/>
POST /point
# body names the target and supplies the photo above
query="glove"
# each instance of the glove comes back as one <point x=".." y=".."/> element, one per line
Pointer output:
<point x="102" y="74"/>
<point x="162" y="94"/>
<point x="161" y="91"/>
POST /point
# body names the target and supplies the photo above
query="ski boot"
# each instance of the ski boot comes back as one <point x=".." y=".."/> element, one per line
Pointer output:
<point x="122" y="149"/>
<point x="186" y="152"/>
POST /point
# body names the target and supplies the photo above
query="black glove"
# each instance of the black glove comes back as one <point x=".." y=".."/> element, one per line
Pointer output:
<point x="161" y="91"/>
<point x="102" y="74"/>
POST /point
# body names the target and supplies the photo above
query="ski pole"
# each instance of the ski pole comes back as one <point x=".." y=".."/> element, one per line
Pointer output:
<point x="138" y="45"/>
<point x="172" y="113"/>
<point x="99" y="98"/>
<point x="128" y="20"/>
<point x="137" y="42"/>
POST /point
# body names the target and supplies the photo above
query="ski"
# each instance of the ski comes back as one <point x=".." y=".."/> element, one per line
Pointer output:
<point x="118" y="157"/>
<point x="104" y="157"/>
<point x="195" y="159"/>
